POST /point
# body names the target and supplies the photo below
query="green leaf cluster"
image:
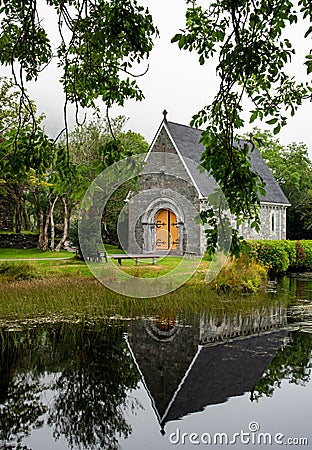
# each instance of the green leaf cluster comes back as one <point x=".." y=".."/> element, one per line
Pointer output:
<point x="23" y="38"/>
<point x="100" y="43"/>
<point x="22" y="150"/>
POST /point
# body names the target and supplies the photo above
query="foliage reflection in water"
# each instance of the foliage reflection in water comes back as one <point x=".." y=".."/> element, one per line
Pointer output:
<point x="132" y="383"/>
<point x="88" y="372"/>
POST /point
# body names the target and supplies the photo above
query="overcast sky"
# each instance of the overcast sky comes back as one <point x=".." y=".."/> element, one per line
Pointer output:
<point x="175" y="82"/>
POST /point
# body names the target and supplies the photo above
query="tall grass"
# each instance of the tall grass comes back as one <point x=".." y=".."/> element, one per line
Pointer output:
<point x="241" y="275"/>
<point x="16" y="271"/>
<point x="85" y="298"/>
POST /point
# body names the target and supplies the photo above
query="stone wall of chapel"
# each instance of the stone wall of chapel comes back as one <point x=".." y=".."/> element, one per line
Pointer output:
<point x="161" y="181"/>
<point x="170" y="193"/>
<point x="273" y="224"/>
<point x="164" y="181"/>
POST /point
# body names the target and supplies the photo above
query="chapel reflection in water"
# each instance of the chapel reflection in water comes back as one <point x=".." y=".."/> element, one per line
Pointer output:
<point x="186" y="368"/>
<point x="91" y="371"/>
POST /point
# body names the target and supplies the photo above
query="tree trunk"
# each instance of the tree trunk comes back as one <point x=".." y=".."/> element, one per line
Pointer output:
<point x="46" y="227"/>
<point x="52" y="244"/>
<point x="66" y="226"/>
<point x="43" y="238"/>
<point x="26" y="216"/>
<point x="18" y="215"/>
<point x="44" y="220"/>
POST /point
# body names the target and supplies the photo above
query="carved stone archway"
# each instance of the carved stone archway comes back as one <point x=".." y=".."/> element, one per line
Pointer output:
<point x="163" y="221"/>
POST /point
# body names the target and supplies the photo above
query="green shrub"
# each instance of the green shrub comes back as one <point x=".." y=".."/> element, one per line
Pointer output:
<point x="271" y="254"/>
<point x="291" y="249"/>
<point x="280" y="256"/>
<point x="307" y="247"/>
<point x="15" y="271"/>
<point x="242" y="275"/>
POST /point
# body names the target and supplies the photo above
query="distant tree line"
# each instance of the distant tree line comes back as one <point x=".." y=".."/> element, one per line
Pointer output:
<point x="43" y="182"/>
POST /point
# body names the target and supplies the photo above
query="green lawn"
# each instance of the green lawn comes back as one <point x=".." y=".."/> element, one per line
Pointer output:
<point x="147" y="269"/>
<point x="113" y="249"/>
<point x="15" y="253"/>
<point x="36" y="265"/>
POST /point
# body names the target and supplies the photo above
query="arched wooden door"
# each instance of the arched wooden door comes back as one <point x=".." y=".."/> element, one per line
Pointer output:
<point x="167" y="231"/>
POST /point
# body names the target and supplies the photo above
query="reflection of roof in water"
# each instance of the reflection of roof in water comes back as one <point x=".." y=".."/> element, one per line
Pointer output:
<point x="182" y="377"/>
<point x="162" y="363"/>
<point x="223" y="371"/>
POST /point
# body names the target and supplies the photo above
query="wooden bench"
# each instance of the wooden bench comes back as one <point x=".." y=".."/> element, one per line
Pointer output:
<point x="136" y="257"/>
<point x="190" y="255"/>
<point x="97" y="257"/>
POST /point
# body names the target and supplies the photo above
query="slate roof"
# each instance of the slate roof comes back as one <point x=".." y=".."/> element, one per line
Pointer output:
<point x="187" y="141"/>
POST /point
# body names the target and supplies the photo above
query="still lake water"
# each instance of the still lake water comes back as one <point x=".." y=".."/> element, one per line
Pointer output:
<point x="201" y="381"/>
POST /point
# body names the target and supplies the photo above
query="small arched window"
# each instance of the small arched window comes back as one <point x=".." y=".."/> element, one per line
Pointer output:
<point x="273" y="224"/>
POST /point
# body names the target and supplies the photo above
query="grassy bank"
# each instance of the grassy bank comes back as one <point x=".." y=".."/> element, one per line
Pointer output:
<point x="66" y="289"/>
<point x="237" y="275"/>
<point x="85" y="297"/>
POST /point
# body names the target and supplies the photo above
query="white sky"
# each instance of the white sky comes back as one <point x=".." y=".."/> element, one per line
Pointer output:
<point x="175" y="82"/>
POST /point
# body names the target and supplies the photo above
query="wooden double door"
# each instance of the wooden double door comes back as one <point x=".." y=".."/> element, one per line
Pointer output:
<point x="167" y="231"/>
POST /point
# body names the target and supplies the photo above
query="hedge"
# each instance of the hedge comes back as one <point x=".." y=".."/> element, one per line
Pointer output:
<point x="282" y="256"/>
